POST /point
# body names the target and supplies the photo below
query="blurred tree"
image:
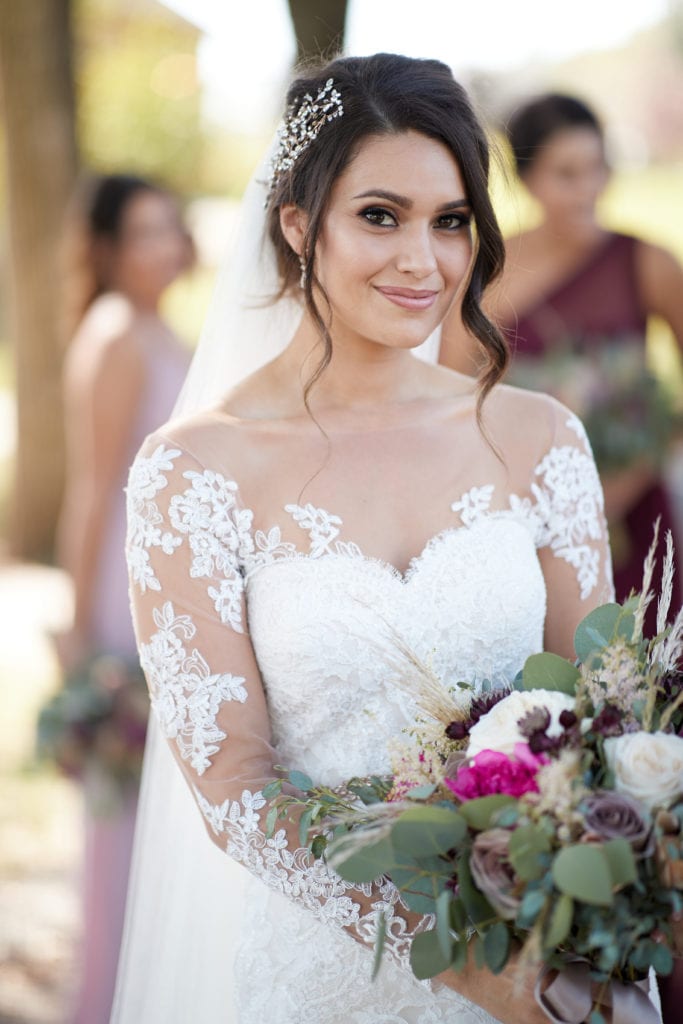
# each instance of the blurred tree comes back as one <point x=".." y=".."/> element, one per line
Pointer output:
<point x="138" y="91"/>
<point x="41" y="154"/>
<point x="318" y="26"/>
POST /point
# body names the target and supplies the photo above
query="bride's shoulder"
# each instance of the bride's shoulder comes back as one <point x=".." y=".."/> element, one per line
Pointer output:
<point x="518" y="419"/>
<point x="211" y="439"/>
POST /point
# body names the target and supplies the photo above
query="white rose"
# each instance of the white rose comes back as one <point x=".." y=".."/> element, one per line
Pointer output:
<point x="647" y="766"/>
<point x="498" y="729"/>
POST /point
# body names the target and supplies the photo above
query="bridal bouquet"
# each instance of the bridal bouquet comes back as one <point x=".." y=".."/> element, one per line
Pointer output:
<point x="548" y="815"/>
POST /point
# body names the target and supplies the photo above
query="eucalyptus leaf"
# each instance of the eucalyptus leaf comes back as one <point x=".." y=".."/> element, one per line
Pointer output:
<point x="662" y="960"/>
<point x="380" y="939"/>
<point x="420" y="885"/>
<point x="550" y="672"/>
<point x="272" y="789"/>
<point x="365" y="864"/>
<point x="300" y="781"/>
<point x="497" y="947"/>
<point x="420" y="792"/>
<point x="426" y="956"/>
<point x="527" y="844"/>
<point x="459" y="955"/>
<point x="458" y="916"/>
<point x="582" y="871"/>
<point x="443" y="923"/>
<point x="428" y="830"/>
<point x="318" y="846"/>
<point x="599" y="627"/>
<point x="479" y="813"/>
<point x="304" y="825"/>
<point x="531" y="906"/>
<point x="621" y="861"/>
<point x="271" y="819"/>
<point x="560" y="922"/>
<point x="477" y="906"/>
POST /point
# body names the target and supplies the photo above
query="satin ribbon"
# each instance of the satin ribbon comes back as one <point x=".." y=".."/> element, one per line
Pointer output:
<point x="569" y="999"/>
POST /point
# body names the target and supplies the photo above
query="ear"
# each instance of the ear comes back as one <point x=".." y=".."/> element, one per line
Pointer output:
<point x="294" y="225"/>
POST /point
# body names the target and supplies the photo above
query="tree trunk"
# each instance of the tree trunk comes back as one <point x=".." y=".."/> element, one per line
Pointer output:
<point x="319" y="27"/>
<point x="37" y="88"/>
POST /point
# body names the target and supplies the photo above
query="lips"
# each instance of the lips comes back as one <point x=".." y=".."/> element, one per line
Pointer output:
<point x="409" y="298"/>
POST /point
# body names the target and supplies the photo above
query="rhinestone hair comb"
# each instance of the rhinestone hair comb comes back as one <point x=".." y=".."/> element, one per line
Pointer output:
<point x="301" y="128"/>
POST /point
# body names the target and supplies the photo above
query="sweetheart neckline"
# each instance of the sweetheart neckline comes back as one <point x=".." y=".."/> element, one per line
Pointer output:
<point x="352" y="551"/>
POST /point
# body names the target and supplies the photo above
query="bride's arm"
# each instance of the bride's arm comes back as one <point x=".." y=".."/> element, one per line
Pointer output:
<point x="187" y="542"/>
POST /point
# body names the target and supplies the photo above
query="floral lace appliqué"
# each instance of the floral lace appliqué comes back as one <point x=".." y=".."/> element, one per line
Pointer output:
<point x="569" y="506"/>
<point x="186" y="696"/>
<point x="295" y="873"/>
<point x="219" y="534"/>
<point x="322" y="526"/>
<point x="145" y="480"/>
<point x="473" y="504"/>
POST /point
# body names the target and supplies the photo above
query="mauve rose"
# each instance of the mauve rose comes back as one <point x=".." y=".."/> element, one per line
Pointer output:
<point x="492" y="871"/>
<point x="612" y="815"/>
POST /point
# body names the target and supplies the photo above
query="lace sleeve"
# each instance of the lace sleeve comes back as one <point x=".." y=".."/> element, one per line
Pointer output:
<point x="188" y="538"/>
<point x="571" y="534"/>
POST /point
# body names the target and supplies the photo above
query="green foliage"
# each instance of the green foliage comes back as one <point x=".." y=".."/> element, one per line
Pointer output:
<point x="485" y="811"/>
<point x="601" y="626"/>
<point x="426" y="831"/>
<point x="583" y="872"/>
<point x="426" y="956"/>
<point x="529" y="846"/>
<point x="559" y="923"/>
<point x="497" y="947"/>
<point x="550" y="672"/>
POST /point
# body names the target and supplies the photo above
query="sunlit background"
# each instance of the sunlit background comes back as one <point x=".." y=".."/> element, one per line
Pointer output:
<point x="190" y="91"/>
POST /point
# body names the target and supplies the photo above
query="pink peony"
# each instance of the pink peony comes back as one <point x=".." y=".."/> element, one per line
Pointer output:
<point x="492" y="772"/>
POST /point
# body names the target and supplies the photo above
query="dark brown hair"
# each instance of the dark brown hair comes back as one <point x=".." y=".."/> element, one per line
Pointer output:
<point x="388" y="94"/>
<point x="95" y="215"/>
<point x="531" y="125"/>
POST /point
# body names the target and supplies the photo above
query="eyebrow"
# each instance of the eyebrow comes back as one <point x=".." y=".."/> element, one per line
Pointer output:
<point x="403" y="201"/>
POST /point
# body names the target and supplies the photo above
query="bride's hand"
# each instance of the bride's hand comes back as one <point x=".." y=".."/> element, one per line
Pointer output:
<point x="508" y="996"/>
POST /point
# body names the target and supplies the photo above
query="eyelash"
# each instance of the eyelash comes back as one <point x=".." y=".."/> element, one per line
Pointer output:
<point x="370" y="212"/>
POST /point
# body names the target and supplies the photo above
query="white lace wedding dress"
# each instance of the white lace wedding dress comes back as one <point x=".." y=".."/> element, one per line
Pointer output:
<point x="262" y="617"/>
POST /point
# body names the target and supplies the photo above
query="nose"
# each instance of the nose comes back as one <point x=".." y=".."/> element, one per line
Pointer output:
<point x="416" y="255"/>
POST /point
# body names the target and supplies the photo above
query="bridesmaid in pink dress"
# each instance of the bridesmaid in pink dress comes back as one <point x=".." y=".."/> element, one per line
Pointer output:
<point x="572" y="288"/>
<point x="123" y="371"/>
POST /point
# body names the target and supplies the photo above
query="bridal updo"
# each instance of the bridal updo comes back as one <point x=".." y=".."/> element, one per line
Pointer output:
<point x="389" y="94"/>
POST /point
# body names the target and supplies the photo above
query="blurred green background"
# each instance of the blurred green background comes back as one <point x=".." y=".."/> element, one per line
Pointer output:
<point x="110" y="85"/>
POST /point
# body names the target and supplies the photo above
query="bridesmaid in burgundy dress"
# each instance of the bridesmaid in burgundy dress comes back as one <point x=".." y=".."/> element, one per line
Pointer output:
<point x="574" y="299"/>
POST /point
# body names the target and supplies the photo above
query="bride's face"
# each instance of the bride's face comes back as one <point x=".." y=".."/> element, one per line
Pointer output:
<point x="395" y="245"/>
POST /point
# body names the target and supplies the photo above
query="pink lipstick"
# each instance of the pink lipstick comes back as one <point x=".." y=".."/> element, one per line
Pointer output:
<point x="409" y="298"/>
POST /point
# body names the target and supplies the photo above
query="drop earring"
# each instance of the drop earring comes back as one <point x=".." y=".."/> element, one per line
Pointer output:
<point x="302" y="267"/>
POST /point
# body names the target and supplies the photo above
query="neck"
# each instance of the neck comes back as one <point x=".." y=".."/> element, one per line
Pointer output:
<point x="361" y="375"/>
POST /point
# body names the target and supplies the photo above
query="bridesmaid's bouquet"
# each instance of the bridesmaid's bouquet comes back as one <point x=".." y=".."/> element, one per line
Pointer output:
<point x="548" y="815"/>
<point x="628" y="413"/>
<point x="94" y="728"/>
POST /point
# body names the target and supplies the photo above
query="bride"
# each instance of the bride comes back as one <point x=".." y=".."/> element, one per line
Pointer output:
<point x="340" y="494"/>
